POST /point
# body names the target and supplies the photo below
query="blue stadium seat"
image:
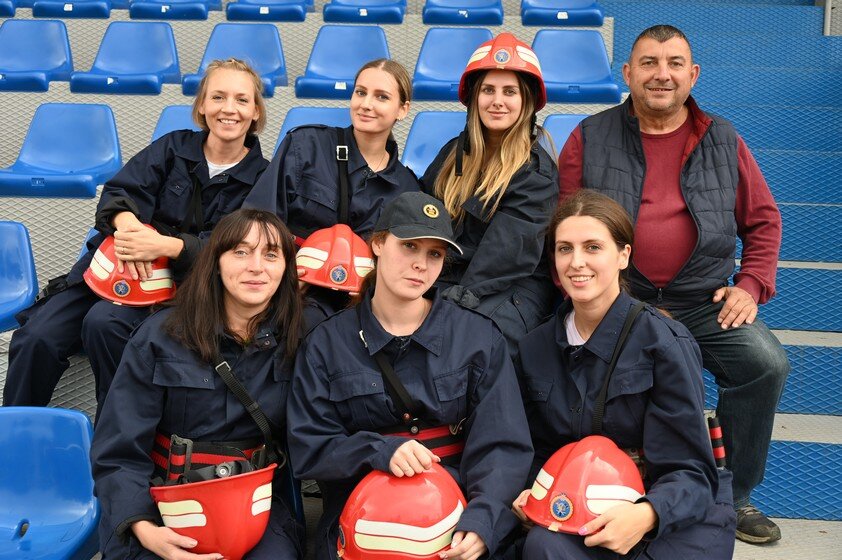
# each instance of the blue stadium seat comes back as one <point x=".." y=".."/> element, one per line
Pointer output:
<point x="18" y="283"/>
<point x="174" y="117"/>
<point x="133" y="58"/>
<point x="258" y="44"/>
<point x="561" y="12"/>
<point x="297" y="116"/>
<point x="266" y="10"/>
<point x="463" y="12"/>
<point x="69" y="149"/>
<point x="443" y="57"/>
<point x="430" y="131"/>
<point x="560" y="127"/>
<point x="575" y="65"/>
<point x="172" y="9"/>
<point x="32" y="54"/>
<point x="365" y="11"/>
<point x="67" y="9"/>
<point x="338" y="52"/>
<point x="7" y="8"/>
<point x="47" y="504"/>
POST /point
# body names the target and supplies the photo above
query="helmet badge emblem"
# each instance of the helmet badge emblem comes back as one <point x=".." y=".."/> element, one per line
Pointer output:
<point x="121" y="288"/>
<point x="338" y="274"/>
<point x="561" y="507"/>
<point x="502" y="56"/>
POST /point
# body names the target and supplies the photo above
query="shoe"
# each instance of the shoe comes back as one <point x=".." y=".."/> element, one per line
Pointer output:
<point x="755" y="528"/>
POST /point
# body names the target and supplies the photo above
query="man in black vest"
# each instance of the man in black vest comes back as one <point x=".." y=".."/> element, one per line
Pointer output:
<point x="692" y="187"/>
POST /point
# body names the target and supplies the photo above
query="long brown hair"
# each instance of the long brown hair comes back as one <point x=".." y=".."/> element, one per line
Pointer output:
<point x="199" y="307"/>
<point x="605" y="210"/>
<point x="231" y="64"/>
<point x="487" y="176"/>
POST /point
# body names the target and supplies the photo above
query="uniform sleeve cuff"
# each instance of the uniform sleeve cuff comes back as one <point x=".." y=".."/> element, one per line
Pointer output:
<point x="390" y="445"/>
<point x="750" y="285"/>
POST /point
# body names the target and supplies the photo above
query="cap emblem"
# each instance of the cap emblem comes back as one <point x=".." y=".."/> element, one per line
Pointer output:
<point x="431" y="211"/>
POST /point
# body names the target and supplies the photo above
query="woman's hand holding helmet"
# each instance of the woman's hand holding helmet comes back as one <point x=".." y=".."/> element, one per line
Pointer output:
<point x="168" y="544"/>
<point x="465" y="546"/>
<point x="621" y="527"/>
<point x="411" y="458"/>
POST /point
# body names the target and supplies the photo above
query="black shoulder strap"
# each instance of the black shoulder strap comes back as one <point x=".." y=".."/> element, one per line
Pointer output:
<point x="409" y="408"/>
<point x="344" y="189"/>
<point x="260" y="418"/>
<point x="599" y="407"/>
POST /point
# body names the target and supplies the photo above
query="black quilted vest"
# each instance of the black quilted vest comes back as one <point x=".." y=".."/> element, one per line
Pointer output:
<point x="614" y="164"/>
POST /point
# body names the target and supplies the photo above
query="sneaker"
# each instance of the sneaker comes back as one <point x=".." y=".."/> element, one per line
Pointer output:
<point x="755" y="528"/>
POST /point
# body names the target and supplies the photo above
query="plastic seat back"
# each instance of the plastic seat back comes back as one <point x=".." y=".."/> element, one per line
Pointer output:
<point x="68" y="150"/>
<point x="338" y="52"/>
<point x="430" y="131"/>
<point x="575" y="66"/>
<point x="69" y="9"/>
<point x="134" y="57"/>
<point x="7" y="8"/>
<point x="365" y="11"/>
<point x="174" y="117"/>
<point x="47" y="506"/>
<point x="32" y="54"/>
<point x="257" y="44"/>
<point x="444" y="54"/>
<point x="172" y="9"/>
<point x="560" y="127"/>
<point x="561" y="12"/>
<point x="18" y="283"/>
<point x="463" y="12"/>
<point x="297" y="116"/>
<point x="267" y="10"/>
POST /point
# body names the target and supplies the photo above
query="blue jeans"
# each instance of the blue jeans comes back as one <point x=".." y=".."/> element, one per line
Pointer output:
<point x="750" y="367"/>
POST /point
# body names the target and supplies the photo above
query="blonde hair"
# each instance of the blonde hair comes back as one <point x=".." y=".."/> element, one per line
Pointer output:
<point x="487" y="175"/>
<point x="240" y="66"/>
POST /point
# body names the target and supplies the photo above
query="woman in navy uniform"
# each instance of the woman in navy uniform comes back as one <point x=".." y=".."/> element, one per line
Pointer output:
<point x="343" y="422"/>
<point x="499" y="186"/>
<point x="654" y="401"/>
<point x="241" y="304"/>
<point x="182" y="184"/>
<point x="303" y="184"/>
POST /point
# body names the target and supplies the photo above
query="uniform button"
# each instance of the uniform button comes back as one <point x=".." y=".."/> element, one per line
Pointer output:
<point x="540" y="393"/>
<point x="374" y="384"/>
<point x="413" y="430"/>
<point x="206" y="379"/>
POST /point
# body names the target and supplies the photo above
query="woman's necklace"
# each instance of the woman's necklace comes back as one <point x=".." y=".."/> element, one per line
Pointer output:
<point x="379" y="165"/>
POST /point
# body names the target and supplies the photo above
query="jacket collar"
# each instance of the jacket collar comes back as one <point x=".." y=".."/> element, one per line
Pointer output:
<point x="604" y="338"/>
<point x="245" y="172"/>
<point x="430" y="335"/>
<point x="356" y="161"/>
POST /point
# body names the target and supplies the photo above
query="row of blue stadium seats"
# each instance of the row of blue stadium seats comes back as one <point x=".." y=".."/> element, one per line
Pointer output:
<point x="139" y="57"/>
<point x="435" y="12"/>
<point x="71" y="148"/>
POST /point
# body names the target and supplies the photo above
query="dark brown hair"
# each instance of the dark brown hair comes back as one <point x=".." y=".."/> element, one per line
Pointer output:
<point x="601" y="208"/>
<point x="394" y="69"/>
<point x="199" y="307"/>
<point x="370" y="279"/>
<point x="661" y="33"/>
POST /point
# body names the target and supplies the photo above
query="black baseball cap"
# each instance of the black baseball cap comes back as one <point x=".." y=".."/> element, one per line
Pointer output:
<point x="415" y="215"/>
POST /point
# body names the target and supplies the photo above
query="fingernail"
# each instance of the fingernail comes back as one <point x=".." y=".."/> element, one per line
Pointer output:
<point x="583" y="530"/>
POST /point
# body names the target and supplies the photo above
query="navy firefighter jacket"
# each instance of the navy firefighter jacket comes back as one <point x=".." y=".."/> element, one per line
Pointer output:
<point x="161" y="386"/>
<point x="456" y="365"/>
<point x="301" y="184"/>
<point x="655" y="402"/>
<point x="157" y="185"/>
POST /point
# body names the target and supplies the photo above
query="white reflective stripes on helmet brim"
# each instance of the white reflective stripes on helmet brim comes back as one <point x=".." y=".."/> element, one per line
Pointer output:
<point x="479" y="54"/>
<point x="182" y="514"/>
<point x="602" y="497"/>
<point x="261" y="499"/>
<point x="161" y="279"/>
<point x="308" y="257"/>
<point x="409" y="539"/>
<point x="542" y="485"/>
<point x="100" y="265"/>
<point x="363" y="265"/>
<point x="528" y="56"/>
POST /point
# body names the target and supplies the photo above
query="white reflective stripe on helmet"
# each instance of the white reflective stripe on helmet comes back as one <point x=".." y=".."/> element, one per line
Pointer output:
<point x="408" y="539"/>
<point x="152" y="285"/>
<point x="181" y="514"/>
<point x="543" y="482"/>
<point x="100" y="265"/>
<point x="261" y="499"/>
<point x="308" y="257"/>
<point x="528" y="56"/>
<point x="602" y="497"/>
<point x="479" y="54"/>
<point x="363" y="265"/>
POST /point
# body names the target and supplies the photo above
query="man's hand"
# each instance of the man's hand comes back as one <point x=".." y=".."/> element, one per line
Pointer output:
<point x="622" y="527"/>
<point x="168" y="544"/>
<point x="465" y="546"/>
<point x="739" y="307"/>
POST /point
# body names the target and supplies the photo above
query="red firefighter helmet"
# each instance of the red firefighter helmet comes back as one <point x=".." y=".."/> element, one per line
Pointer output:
<point x="408" y="518"/>
<point x="504" y="52"/>
<point x="581" y="481"/>
<point x="225" y="515"/>
<point x="335" y="258"/>
<point x="103" y="278"/>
